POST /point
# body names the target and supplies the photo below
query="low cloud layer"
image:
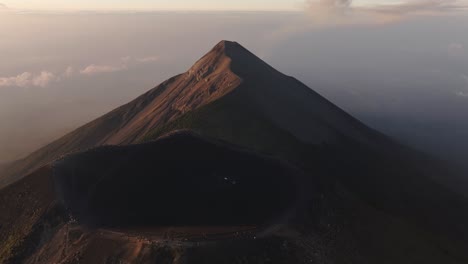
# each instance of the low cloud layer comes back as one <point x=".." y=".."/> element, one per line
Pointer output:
<point x="326" y="11"/>
<point x="4" y="9"/>
<point x="420" y="6"/>
<point x="348" y="12"/>
<point x="28" y="79"/>
<point x="148" y="59"/>
<point x="123" y="64"/>
<point x="45" y="78"/>
<point x="94" y="69"/>
<point x="456" y="50"/>
<point x="329" y="7"/>
<point x="465" y="77"/>
<point x="465" y="92"/>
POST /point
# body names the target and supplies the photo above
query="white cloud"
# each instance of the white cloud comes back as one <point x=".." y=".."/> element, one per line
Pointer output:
<point x="27" y="79"/>
<point x="126" y="59"/>
<point x="148" y="59"/>
<point x="69" y="71"/>
<point x="4" y="9"/>
<point x="124" y="64"/>
<point x="94" y="69"/>
<point x="456" y="49"/>
<point x="348" y="12"/>
<point x="464" y="93"/>
<point x="44" y="78"/>
<point x="419" y="6"/>
<point x="465" y="77"/>
<point x="328" y="11"/>
<point x="129" y="59"/>
<point x="328" y="7"/>
<point x="20" y="80"/>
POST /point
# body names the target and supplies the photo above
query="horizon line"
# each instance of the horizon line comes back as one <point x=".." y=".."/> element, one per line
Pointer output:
<point x="148" y="10"/>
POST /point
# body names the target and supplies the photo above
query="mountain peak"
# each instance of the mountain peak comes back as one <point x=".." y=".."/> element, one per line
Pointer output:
<point x="225" y="49"/>
<point x="227" y="46"/>
<point x="233" y="57"/>
<point x="228" y="43"/>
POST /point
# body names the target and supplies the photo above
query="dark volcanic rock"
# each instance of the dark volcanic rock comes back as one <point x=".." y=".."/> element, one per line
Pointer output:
<point x="180" y="179"/>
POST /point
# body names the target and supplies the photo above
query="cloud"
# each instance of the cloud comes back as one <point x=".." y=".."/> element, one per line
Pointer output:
<point x="124" y="64"/>
<point x="348" y="12"/>
<point x="465" y="77"/>
<point x="20" y="80"/>
<point x="329" y="6"/>
<point x="27" y="79"/>
<point x="44" y="78"/>
<point x="69" y="71"/>
<point x="126" y="59"/>
<point x="419" y="7"/>
<point x="456" y="49"/>
<point x="4" y="8"/>
<point x="463" y="93"/>
<point x="129" y="60"/>
<point x="324" y="9"/>
<point x="94" y="69"/>
<point x="148" y="59"/>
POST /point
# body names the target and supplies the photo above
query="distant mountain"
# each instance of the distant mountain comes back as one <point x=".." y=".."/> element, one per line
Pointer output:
<point x="361" y="197"/>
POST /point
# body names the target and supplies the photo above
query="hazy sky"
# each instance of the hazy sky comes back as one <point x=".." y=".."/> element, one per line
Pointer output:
<point x="208" y="4"/>
<point x="154" y="4"/>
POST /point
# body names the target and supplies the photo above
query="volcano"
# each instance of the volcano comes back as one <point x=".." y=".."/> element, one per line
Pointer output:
<point x="231" y="158"/>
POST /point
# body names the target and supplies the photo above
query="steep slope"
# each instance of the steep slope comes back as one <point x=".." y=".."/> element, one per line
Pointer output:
<point x="226" y="68"/>
<point x="25" y="208"/>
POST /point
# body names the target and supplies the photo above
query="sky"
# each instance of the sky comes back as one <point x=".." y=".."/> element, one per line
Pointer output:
<point x="402" y="69"/>
<point x="156" y="4"/>
<point x="283" y="5"/>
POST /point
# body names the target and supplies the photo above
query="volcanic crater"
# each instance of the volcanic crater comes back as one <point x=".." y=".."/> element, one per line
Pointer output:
<point x="179" y="180"/>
